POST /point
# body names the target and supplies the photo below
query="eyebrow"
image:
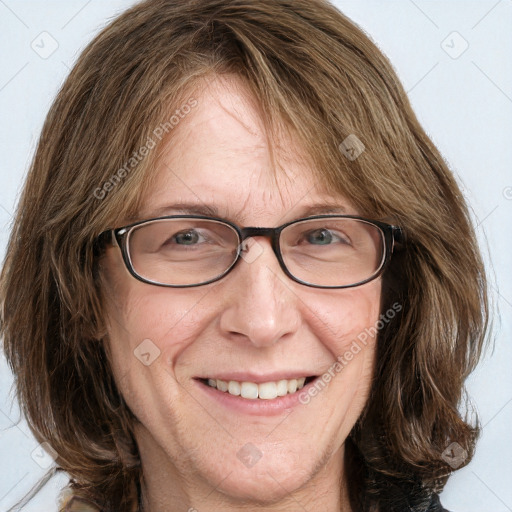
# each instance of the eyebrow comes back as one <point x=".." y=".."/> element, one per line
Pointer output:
<point x="210" y="210"/>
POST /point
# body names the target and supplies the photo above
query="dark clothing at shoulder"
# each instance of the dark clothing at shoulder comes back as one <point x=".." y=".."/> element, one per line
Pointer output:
<point x="435" y="505"/>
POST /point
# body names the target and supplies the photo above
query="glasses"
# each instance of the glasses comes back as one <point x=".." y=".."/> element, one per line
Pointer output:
<point x="322" y="251"/>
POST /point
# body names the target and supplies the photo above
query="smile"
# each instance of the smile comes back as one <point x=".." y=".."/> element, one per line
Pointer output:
<point x="263" y="390"/>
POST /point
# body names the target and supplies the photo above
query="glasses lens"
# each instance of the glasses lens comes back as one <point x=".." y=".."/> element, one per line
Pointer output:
<point x="333" y="251"/>
<point x="182" y="251"/>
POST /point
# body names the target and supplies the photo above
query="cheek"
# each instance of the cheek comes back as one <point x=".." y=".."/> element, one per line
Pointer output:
<point x="163" y="318"/>
<point x="146" y="335"/>
<point x="149" y="323"/>
<point x="351" y="316"/>
<point x="349" y="326"/>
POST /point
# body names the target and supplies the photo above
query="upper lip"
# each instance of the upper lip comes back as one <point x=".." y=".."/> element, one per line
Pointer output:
<point x="259" y="378"/>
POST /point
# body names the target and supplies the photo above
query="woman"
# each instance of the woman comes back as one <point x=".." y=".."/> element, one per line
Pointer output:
<point x="241" y="275"/>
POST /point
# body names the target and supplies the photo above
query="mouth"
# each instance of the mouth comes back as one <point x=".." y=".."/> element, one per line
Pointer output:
<point x="259" y="391"/>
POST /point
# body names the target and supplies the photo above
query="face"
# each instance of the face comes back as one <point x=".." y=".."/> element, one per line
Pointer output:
<point x="254" y="325"/>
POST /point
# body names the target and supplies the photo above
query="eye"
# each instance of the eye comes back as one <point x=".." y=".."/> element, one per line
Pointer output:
<point x="189" y="237"/>
<point x="323" y="236"/>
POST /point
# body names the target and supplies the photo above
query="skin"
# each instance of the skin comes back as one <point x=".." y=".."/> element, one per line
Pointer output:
<point x="255" y="319"/>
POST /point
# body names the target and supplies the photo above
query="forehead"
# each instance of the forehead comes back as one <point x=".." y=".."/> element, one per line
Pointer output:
<point x="219" y="154"/>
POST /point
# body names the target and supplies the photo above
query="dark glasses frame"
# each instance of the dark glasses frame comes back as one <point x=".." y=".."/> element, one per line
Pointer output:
<point x="393" y="239"/>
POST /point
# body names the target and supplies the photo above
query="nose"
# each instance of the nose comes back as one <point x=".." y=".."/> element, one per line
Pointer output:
<point x="260" y="305"/>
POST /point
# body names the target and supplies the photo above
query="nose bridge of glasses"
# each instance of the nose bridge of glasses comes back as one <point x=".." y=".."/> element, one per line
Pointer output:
<point x="249" y="253"/>
<point x="250" y="232"/>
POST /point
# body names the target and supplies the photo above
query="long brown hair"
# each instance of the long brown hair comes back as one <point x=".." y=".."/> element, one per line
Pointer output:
<point x="313" y="70"/>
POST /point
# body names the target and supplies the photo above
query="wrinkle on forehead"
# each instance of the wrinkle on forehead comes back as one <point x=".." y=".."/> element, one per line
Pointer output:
<point x="242" y="106"/>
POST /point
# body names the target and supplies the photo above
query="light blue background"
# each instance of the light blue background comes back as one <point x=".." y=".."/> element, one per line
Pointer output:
<point x="465" y="104"/>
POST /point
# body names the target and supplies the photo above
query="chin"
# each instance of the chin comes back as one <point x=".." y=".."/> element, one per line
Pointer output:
<point x="263" y="489"/>
<point x="267" y="481"/>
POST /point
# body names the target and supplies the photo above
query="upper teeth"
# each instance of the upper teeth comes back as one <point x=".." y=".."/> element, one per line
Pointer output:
<point x="265" y="390"/>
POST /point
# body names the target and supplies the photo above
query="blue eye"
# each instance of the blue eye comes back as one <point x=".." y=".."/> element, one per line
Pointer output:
<point x="187" y="237"/>
<point x="322" y="237"/>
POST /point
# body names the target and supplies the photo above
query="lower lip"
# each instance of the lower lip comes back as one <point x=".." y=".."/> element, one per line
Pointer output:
<point x="258" y="406"/>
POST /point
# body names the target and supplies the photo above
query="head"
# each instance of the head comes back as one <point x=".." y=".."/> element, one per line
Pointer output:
<point x="243" y="107"/>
